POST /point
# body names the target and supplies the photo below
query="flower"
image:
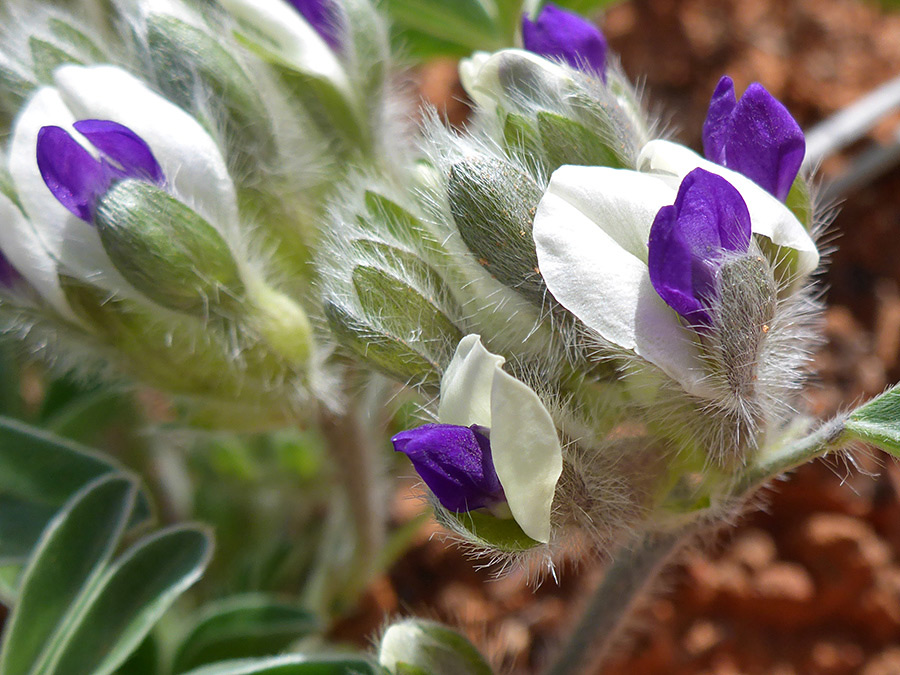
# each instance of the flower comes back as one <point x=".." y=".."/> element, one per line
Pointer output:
<point x="688" y="239"/>
<point x="489" y="417"/>
<point x="591" y="230"/>
<point x="455" y="462"/>
<point x="321" y="15"/>
<point x="560" y="34"/>
<point x="78" y="179"/>
<point x="125" y="130"/>
<point x="755" y="136"/>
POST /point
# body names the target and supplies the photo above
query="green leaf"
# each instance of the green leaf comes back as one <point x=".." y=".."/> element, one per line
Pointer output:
<point x="586" y="7"/>
<point x="39" y="472"/>
<point x="295" y="664"/>
<point x="68" y="559"/>
<point x="130" y="598"/>
<point x="144" y="660"/>
<point x="462" y="22"/>
<point x="878" y="421"/>
<point x="243" y="626"/>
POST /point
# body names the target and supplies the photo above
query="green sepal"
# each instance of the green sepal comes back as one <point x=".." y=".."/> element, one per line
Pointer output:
<point x="566" y="141"/>
<point x="47" y="57"/>
<point x="503" y="534"/>
<point x="73" y="37"/>
<point x="391" y="355"/>
<point x="166" y="250"/>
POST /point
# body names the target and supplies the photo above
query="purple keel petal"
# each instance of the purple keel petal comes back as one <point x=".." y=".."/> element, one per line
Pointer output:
<point x="561" y="34"/>
<point x="688" y="238"/>
<point x="455" y="463"/>
<point x="718" y="120"/>
<point x="75" y="177"/>
<point x="321" y="15"/>
<point x="120" y="144"/>
<point x="765" y="144"/>
<point x="755" y="136"/>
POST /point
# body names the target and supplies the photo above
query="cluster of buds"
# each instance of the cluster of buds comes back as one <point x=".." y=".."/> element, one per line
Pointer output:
<point x="164" y="189"/>
<point x="631" y="320"/>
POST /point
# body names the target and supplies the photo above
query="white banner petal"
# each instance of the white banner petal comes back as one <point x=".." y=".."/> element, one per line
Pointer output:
<point x="768" y="216"/>
<point x="25" y="251"/>
<point x="292" y="38"/>
<point x="191" y="161"/>
<point x="526" y="452"/>
<point x="622" y="203"/>
<point x="466" y="385"/>
<point x="603" y="284"/>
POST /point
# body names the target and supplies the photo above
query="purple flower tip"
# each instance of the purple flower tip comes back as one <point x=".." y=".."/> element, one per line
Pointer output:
<point x="567" y="36"/>
<point x="687" y="241"/>
<point x="78" y="179"/>
<point x="755" y="136"/>
<point x="455" y="463"/>
<point x="322" y="16"/>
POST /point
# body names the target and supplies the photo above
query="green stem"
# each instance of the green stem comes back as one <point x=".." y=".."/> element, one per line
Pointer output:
<point x="632" y="574"/>
<point x="770" y="464"/>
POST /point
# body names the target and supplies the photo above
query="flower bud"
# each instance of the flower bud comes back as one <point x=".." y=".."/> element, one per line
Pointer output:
<point x="166" y="250"/>
<point x="557" y="33"/>
<point x="189" y="59"/>
<point x="419" y="647"/>
<point x="493" y="205"/>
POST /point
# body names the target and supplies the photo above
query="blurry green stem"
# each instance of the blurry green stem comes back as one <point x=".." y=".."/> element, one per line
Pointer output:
<point x="351" y="442"/>
<point x="630" y="576"/>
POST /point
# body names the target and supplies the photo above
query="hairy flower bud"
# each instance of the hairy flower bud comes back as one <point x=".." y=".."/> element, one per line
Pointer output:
<point x="166" y="250"/>
<point x="493" y="206"/>
<point x="414" y="646"/>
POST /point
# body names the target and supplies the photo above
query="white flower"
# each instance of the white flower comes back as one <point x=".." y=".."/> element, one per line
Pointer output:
<point x="524" y="443"/>
<point x="194" y="168"/>
<point x="591" y="229"/>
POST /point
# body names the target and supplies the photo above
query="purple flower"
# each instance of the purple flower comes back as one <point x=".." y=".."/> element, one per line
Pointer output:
<point x="561" y="34"/>
<point x="455" y="463"/>
<point x="689" y="238"/>
<point x="755" y="136"/>
<point x="321" y="15"/>
<point x="78" y="179"/>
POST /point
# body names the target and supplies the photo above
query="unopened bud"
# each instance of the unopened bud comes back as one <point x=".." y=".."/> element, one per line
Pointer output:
<point x="166" y="250"/>
<point x="418" y="647"/>
<point x="493" y="204"/>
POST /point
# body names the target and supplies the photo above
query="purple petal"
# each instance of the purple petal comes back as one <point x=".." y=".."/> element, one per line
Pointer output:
<point x="561" y="34"/>
<point x="455" y="463"/>
<point x="755" y="136"/>
<point x="9" y="275"/>
<point x="321" y="15"/>
<point x="718" y="120"/>
<point x="75" y="177"/>
<point x="120" y="144"/>
<point x="687" y="240"/>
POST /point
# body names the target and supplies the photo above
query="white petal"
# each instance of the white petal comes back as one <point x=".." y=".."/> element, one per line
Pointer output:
<point x="607" y="287"/>
<point x="622" y="203"/>
<point x="66" y="238"/>
<point x="526" y="452"/>
<point x="491" y="77"/>
<point x="191" y="161"/>
<point x="294" y="39"/>
<point x="466" y="385"/>
<point x="24" y="250"/>
<point x="768" y="216"/>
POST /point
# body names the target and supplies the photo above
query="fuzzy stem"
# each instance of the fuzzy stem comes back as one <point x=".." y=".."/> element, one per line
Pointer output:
<point x="632" y="573"/>
<point x="828" y="437"/>
<point x="350" y="441"/>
